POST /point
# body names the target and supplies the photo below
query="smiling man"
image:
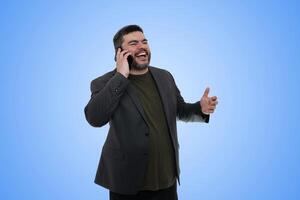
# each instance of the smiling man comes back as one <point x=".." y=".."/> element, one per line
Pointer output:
<point x="141" y="103"/>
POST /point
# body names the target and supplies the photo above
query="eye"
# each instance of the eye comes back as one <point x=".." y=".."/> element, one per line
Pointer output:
<point x="132" y="43"/>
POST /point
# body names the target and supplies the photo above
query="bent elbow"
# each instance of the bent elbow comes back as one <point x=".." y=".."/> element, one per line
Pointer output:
<point x="93" y="118"/>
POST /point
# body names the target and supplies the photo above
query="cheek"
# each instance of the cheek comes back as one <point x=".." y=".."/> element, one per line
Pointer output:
<point x="132" y="50"/>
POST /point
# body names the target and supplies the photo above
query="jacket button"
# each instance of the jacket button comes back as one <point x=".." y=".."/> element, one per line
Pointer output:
<point x="147" y="134"/>
<point x="145" y="154"/>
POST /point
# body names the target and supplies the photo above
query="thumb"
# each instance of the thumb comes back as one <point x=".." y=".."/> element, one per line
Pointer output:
<point x="205" y="94"/>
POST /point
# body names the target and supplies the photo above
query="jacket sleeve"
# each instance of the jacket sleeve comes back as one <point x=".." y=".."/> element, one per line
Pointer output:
<point x="105" y="98"/>
<point x="189" y="112"/>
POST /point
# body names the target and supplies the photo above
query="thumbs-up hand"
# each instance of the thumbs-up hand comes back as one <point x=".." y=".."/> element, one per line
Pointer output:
<point x="208" y="104"/>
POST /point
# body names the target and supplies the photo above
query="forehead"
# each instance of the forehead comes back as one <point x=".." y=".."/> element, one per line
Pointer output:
<point x="137" y="35"/>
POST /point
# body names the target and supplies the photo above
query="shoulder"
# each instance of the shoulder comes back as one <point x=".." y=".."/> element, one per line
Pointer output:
<point x="162" y="74"/>
<point x="160" y="71"/>
<point x="103" y="78"/>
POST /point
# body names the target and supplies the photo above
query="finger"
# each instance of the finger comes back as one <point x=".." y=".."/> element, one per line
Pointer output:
<point x="119" y="53"/>
<point x="213" y="103"/>
<point x="125" y="56"/>
<point x="211" y="107"/>
<point x="210" y="111"/>
<point x="124" y="52"/>
<point x="205" y="94"/>
<point x="211" y="100"/>
<point x="214" y="98"/>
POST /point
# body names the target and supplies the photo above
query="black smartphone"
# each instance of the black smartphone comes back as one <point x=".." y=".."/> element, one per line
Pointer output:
<point x="130" y="61"/>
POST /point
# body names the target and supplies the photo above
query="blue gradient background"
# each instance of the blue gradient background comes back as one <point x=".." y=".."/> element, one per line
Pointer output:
<point x="247" y="52"/>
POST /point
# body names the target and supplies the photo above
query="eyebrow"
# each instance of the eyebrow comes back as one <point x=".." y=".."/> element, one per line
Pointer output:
<point x="136" y="41"/>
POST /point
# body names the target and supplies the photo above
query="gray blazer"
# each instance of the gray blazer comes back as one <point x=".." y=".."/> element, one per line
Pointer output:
<point x="124" y="154"/>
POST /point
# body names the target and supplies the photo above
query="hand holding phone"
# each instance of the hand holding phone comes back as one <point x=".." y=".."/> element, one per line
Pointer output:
<point x="123" y="61"/>
<point x="129" y="59"/>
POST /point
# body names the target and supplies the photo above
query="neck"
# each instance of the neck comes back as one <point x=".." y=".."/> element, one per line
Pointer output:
<point x="138" y="72"/>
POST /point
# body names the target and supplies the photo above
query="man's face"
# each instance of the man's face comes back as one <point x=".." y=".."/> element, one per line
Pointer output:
<point x="137" y="45"/>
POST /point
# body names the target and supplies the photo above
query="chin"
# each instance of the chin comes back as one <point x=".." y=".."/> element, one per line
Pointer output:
<point x="140" y="66"/>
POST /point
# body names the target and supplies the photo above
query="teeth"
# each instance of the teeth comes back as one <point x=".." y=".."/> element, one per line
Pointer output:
<point x="142" y="54"/>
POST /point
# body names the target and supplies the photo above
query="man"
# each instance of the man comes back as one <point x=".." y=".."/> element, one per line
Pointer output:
<point x="140" y="157"/>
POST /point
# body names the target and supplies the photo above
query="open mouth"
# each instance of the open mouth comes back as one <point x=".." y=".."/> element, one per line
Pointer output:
<point x="141" y="55"/>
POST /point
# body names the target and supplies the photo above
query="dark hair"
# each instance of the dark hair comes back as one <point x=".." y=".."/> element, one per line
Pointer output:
<point x="118" y="38"/>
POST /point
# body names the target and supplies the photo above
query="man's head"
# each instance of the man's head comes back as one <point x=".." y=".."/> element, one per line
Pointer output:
<point x="132" y="38"/>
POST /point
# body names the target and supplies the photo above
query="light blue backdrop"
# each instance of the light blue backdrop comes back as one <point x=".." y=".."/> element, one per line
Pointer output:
<point x="246" y="51"/>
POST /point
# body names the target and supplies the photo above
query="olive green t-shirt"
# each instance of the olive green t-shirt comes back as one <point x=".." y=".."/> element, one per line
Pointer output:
<point x="160" y="172"/>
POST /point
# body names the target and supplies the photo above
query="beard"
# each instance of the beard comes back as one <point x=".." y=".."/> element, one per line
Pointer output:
<point x="136" y="66"/>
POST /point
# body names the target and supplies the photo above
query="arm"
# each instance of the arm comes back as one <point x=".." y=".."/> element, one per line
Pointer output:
<point x="189" y="112"/>
<point x="104" y="99"/>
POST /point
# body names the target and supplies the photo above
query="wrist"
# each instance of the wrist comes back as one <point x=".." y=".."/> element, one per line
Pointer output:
<point x="124" y="74"/>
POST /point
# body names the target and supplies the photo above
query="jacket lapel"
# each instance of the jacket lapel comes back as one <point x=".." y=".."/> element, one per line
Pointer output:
<point x="130" y="90"/>
<point x="132" y="94"/>
<point x="161" y="90"/>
